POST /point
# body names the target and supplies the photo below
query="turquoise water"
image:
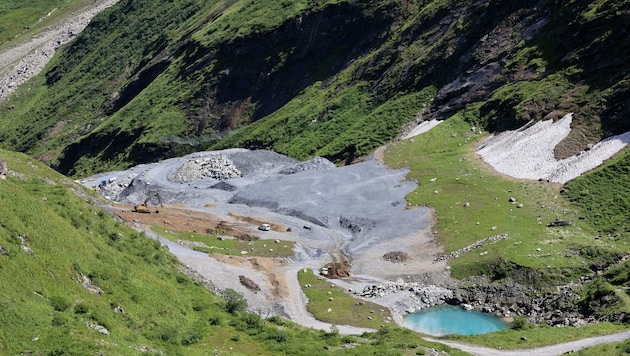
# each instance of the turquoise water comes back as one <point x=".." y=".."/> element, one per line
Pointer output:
<point x="444" y="320"/>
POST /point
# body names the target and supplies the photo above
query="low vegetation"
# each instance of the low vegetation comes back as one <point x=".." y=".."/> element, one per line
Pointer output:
<point x="330" y="303"/>
<point x="473" y="203"/>
<point x="539" y="335"/>
<point x="21" y="19"/>
<point x="245" y="246"/>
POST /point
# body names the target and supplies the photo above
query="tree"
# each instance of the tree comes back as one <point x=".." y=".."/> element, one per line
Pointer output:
<point x="234" y="301"/>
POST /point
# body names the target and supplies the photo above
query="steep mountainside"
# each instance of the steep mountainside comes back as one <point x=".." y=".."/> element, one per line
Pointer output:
<point x="149" y="80"/>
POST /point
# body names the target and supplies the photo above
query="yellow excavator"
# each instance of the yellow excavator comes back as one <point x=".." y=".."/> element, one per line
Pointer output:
<point x="143" y="208"/>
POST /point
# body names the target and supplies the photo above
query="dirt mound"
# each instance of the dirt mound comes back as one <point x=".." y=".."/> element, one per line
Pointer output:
<point x="249" y="284"/>
<point x="336" y="270"/>
<point x="396" y="257"/>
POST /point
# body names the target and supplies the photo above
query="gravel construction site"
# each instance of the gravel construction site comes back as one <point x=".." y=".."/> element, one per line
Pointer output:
<point x="354" y="220"/>
<point x="349" y="224"/>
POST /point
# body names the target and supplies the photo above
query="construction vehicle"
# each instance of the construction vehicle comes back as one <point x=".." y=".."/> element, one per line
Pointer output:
<point x="144" y="208"/>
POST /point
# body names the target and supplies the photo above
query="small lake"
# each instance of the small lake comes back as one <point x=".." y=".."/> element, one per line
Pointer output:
<point x="444" y="320"/>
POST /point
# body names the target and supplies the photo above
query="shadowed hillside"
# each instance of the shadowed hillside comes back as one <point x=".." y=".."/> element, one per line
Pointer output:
<point x="151" y="80"/>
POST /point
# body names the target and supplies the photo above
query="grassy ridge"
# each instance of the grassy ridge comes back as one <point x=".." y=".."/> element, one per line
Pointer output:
<point x="52" y="238"/>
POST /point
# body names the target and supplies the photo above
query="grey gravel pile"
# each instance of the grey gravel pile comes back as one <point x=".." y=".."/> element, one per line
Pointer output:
<point x="116" y="185"/>
<point x="315" y="164"/>
<point x="217" y="166"/>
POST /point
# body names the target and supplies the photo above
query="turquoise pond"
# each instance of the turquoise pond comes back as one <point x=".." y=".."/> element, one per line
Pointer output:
<point x="444" y="320"/>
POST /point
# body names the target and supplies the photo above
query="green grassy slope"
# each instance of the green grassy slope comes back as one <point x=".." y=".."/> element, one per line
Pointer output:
<point x="472" y="202"/>
<point x="51" y="238"/>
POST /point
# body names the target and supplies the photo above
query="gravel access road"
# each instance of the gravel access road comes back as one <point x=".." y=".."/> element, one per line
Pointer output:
<point x="552" y="350"/>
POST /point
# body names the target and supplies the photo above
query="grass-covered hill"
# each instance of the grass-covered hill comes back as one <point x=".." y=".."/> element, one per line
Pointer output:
<point x="75" y="281"/>
<point x="153" y="79"/>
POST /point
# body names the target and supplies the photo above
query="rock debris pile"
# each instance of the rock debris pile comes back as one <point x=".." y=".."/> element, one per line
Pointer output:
<point x="421" y="295"/>
<point x="217" y="166"/>
<point x="396" y="257"/>
<point x="483" y="242"/>
<point x="315" y="164"/>
<point x="114" y="186"/>
<point x="192" y="244"/>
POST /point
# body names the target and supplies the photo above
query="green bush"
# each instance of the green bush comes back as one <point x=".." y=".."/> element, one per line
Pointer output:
<point x="234" y="301"/>
<point x="279" y="336"/>
<point x="60" y="303"/>
<point x="520" y="323"/>
<point x="59" y="320"/>
<point x="81" y="308"/>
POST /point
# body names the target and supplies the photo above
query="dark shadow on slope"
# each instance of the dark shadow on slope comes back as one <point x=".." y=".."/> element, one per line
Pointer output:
<point x="270" y="68"/>
<point x="131" y="90"/>
<point x="104" y="145"/>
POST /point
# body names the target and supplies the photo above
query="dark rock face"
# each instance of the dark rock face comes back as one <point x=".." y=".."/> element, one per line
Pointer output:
<point x="564" y="307"/>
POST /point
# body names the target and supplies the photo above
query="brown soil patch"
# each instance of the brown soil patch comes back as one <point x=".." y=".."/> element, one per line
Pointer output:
<point x="231" y="260"/>
<point x="267" y="266"/>
<point x="249" y="284"/>
<point x="182" y="219"/>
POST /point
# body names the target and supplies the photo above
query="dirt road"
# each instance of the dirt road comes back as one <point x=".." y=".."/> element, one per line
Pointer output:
<point x="30" y="55"/>
<point x="557" y="349"/>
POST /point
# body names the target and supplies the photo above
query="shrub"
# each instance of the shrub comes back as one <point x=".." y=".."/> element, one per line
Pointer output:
<point x="81" y="308"/>
<point x="234" y="301"/>
<point x="252" y="321"/>
<point x="59" y="303"/>
<point x="520" y="323"/>
<point x="279" y="335"/>
<point x="58" y="320"/>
